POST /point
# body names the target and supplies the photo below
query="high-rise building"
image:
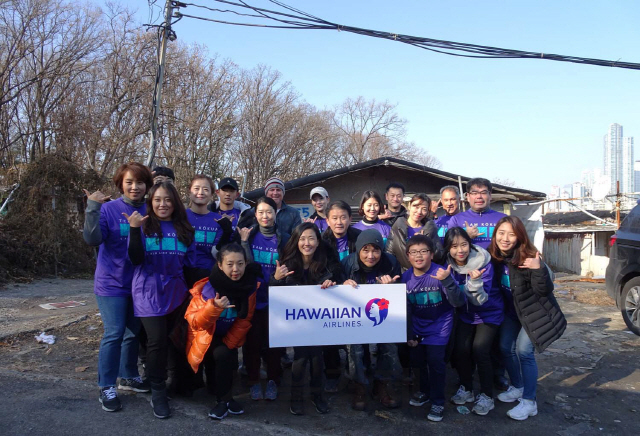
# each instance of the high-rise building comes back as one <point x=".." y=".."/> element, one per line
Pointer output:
<point x="627" y="183"/>
<point x="613" y="155"/>
<point x="636" y="172"/>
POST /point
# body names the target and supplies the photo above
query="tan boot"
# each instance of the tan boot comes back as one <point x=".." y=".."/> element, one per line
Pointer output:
<point x="385" y="393"/>
<point x="359" y="399"/>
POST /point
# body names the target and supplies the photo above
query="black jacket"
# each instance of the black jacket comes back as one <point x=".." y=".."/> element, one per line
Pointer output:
<point x="330" y="239"/>
<point x="332" y="272"/>
<point x="386" y="266"/>
<point x="536" y="306"/>
<point x="397" y="242"/>
<point x="403" y="213"/>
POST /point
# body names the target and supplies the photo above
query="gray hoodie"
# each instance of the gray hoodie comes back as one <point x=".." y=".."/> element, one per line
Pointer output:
<point x="474" y="288"/>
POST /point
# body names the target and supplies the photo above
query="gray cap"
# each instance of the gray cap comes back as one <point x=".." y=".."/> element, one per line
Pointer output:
<point x="369" y="236"/>
<point x="319" y="190"/>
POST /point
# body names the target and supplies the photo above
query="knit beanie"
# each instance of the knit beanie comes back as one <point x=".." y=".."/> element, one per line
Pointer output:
<point x="273" y="182"/>
<point x="369" y="236"/>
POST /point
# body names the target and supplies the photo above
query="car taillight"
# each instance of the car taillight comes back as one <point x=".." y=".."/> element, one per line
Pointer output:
<point x="612" y="240"/>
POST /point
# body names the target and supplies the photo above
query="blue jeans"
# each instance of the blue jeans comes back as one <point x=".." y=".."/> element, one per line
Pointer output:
<point x="118" y="355"/>
<point x="387" y="366"/>
<point x="519" y="357"/>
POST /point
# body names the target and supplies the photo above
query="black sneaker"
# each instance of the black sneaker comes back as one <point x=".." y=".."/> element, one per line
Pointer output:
<point x="160" y="402"/>
<point x="220" y="411"/>
<point x="109" y="399"/>
<point x="418" y="399"/>
<point x="320" y="403"/>
<point x="235" y="408"/>
<point x="436" y="413"/>
<point x="135" y="384"/>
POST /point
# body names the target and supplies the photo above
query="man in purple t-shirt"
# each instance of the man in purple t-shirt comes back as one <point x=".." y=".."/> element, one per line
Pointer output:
<point x="480" y="220"/>
<point x="450" y="201"/>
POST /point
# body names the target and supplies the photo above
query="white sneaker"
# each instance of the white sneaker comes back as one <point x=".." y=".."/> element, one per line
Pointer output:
<point x="483" y="405"/>
<point x="525" y="409"/>
<point x="462" y="396"/>
<point x="512" y="394"/>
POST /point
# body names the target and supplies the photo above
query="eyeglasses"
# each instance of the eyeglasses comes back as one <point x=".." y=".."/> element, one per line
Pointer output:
<point x="416" y="252"/>
<point x="476" y="193"/>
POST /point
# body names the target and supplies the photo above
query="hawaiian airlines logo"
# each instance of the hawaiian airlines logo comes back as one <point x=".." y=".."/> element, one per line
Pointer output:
<point x="377" y="310"/>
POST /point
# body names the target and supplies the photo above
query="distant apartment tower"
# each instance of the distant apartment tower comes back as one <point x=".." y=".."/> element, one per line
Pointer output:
<point x="627" y="183"/>
<point x="636" y="172"/>
<point x="613" y="155"/>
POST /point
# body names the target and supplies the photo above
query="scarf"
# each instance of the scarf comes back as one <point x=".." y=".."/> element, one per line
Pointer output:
<point x="236" y="291"/>
<point x="268" y="231"/>
<point x="130" y="202"/>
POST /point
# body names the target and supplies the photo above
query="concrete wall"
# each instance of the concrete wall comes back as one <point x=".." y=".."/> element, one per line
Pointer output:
<point x="578" y="253"/>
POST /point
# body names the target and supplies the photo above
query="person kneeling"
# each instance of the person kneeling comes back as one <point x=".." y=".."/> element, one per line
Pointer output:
<point x="219" y="317"/>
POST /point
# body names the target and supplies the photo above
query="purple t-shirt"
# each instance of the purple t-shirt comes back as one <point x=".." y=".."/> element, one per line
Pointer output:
<point x="381" y="226"/>
<point x="159" y="286"/>
<point x="321" y="223"/>
<point x="265" y="252"/>
<point x="342" y="245"/>
<point x="208" y="234"/>
<point x="443" y="225"/>
<point x="486" y="222"/>
<point x="412" y="231"/>
<point x="226" y="318"/>
<point x="505" y="286"/>
<point x="114" y="270"/>
<point x="431" y="312"/>
<point x="492" y="311"/>
<point x="233" y="215"/>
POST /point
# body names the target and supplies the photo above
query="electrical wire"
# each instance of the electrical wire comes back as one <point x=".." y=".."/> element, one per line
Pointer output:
<point x="295" y="19"/>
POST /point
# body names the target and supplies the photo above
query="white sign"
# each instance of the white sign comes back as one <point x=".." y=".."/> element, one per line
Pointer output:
<point x="308" y="315"/>
<point x="306" y="210"/>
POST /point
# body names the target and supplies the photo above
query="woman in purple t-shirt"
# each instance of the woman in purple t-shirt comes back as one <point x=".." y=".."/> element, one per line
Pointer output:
<point x="161" y="246"/>
<point x="104" y="226"/>
<point x="371" y="206"/>
<point x="263" y="243"/>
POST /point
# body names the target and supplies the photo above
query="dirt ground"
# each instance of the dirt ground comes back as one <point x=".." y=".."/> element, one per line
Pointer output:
<point x="589" y="380"/>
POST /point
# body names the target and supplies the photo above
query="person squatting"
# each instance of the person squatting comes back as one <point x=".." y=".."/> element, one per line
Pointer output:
<point x="181" y="289"/>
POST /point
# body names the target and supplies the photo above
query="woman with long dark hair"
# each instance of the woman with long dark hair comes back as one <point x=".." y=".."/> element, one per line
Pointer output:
<point x="533" y="317"/>
<point x="263" y="243"/>
<point x="105" y="226"/>
<point x="305" y="262"/>
<point x="480" y="318"/>
<point x="161" y="246"/>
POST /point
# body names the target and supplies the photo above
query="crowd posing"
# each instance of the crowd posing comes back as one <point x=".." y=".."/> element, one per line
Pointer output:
<point x="180" y="290"/>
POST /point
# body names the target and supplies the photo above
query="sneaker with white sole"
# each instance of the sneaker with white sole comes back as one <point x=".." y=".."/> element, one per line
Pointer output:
<point x="135" y="384"/>
<point x="483" y="405"/>
<point x="436" y="413"/>
<point x="522" y="411"/>
<point x="419" y="399"/>
<point x="219" y="411"/>
<point x="109" y="399"/>
<point x="512" y="394"/>
<point x="462" y="396"/>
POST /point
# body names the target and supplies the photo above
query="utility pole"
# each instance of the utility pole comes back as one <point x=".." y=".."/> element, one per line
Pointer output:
<point x="157" y="96"/>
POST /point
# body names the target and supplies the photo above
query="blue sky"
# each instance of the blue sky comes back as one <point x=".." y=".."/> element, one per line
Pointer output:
<point x="536" y="122"/>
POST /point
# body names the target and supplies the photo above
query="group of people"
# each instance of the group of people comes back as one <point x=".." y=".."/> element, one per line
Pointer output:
<point x="182" y="289"/>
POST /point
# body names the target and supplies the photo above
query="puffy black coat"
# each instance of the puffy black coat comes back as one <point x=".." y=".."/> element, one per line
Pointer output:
<point x="386" y="266"/>
<point x="536" y="306"/>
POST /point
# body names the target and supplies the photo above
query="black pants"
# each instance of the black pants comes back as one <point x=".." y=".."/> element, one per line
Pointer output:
<point x="332" y="364"/>
<point x="219" y="364"/>
<point x="258" y="340"/>
<point x="161" y="352"/>
<point x="429" y="360"/>
<point x="302" y="356"/>
<point x="473" y="348"/>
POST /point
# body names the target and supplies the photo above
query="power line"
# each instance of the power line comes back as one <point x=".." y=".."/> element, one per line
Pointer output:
<point x="295" y="19"/>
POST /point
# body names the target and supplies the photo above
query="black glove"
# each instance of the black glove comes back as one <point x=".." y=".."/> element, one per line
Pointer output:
<point x="227" y="232"/>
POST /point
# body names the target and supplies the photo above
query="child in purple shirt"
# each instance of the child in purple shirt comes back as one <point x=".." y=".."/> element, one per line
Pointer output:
<point x="432" y="295"/>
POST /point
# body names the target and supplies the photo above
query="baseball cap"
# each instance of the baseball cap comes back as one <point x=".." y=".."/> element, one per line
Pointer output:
<point x="228" y="182"/>
<point x="319" y="190"/>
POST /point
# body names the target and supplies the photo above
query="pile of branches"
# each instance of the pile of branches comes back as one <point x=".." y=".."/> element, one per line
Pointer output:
<point x="41" y="234"/>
